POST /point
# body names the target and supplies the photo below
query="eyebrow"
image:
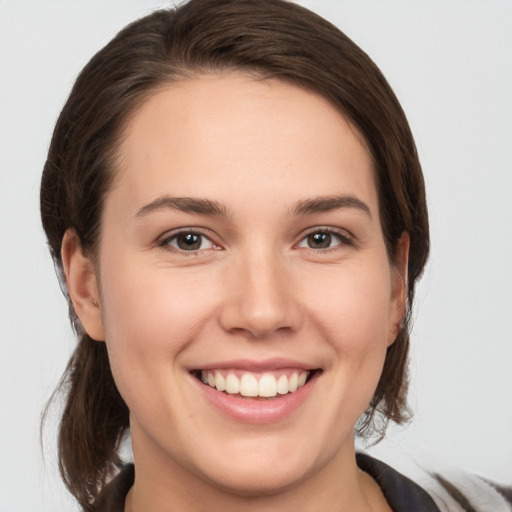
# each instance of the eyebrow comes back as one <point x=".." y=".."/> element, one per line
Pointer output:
<point x="329" y="203"/>
<point x="184" y="204"/>
<point x="214" y="208"/>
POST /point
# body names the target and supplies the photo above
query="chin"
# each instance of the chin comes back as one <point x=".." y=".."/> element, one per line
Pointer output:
<point x="253" y="483"/>
<point x="264" y="470"/>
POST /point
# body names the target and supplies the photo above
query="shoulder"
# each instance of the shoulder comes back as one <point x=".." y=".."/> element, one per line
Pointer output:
<point x="432" y="492"/>
<point x="449" y="491"/>
<point x="402" y="494"/>
<point x="469" y="492"/>
<point x="113" y="495"/>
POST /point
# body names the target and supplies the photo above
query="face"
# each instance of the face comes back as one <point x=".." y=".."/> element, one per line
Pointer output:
<point x="246" y="296"/>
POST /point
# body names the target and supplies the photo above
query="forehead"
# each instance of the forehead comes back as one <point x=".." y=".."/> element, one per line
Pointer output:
<point x="243" y="133"/>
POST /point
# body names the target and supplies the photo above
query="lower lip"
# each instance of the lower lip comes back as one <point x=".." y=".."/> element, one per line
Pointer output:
<point x="257" y="411"/>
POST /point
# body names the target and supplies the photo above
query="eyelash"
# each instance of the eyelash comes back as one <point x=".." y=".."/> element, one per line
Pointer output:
<point x="344" y="238"/>
<point x="166" y="243"/>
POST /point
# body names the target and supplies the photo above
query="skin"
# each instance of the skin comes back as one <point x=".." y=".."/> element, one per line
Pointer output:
<point x="256" y="290"/>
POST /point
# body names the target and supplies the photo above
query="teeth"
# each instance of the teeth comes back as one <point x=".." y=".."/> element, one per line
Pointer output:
<point x="248" y="385"/>
<point x="251" y="385"/>
<point x="232" y="384"/>
<point x="220" y="382"/>
<point x="267" y="385"/>
<point x="282" y="385"/>
<point x="293" y="383"/>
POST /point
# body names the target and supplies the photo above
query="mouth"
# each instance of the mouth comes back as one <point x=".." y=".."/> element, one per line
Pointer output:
<point x="248" y="385"/>
<point x="257" y="392"/>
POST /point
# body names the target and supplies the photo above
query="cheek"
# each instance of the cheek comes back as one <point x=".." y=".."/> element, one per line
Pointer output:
<point x="150" y="316"/>
<point x="353" y="315"/>
<point x="139" y="300"/>
<point x="354" y="308"/>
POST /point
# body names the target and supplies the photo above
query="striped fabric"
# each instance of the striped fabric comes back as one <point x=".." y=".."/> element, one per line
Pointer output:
<point x="449" y="492"/>
<point x="458" y="491"/>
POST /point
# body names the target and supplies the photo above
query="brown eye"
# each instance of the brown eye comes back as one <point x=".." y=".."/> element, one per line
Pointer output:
<point x="319" y="240"/>
<point x="189" y="241"/>
<point x="324" y="239"/>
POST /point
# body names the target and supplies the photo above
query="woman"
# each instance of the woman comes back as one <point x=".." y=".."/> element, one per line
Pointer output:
<point x="234" y="198"/>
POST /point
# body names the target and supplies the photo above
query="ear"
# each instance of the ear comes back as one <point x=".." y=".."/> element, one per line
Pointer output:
<point x="399" y="278"/>
<point x="82" y="285"/>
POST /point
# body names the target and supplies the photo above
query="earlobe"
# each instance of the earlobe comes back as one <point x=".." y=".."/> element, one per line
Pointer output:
<point x="399" y="286"/>
<point x="82" y="285"/>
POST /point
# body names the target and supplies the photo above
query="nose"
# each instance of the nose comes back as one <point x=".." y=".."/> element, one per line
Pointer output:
<point x="260" y="299"/>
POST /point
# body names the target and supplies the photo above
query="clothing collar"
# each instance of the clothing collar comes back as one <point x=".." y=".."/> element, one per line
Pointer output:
<point x="402" y="494"/>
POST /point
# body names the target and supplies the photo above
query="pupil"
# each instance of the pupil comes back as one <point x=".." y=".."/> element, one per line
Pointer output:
<point x="189" y="242"/>
<point x="320" y="240"/>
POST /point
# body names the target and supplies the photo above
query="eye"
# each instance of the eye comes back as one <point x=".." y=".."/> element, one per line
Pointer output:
<point x="323" y="239"/>
<point x="188" y="241"/>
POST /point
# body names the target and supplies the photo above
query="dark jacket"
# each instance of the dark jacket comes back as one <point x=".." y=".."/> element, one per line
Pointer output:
<point x="461" y="494"/>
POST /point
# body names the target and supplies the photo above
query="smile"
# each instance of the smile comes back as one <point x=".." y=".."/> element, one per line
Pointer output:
<point x="255" y="392"/>
<point x="253" y="384"/>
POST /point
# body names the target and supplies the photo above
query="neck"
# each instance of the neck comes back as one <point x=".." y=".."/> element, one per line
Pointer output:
<point x="338" y="486"/>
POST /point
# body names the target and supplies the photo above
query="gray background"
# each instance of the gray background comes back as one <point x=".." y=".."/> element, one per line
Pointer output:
<point x="449" y="62"/>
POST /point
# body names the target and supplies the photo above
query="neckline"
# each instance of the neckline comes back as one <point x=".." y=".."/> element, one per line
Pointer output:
<point x="402" y="494"/>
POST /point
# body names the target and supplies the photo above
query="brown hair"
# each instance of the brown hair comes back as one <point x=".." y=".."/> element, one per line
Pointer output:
<point x="268" y="38"/>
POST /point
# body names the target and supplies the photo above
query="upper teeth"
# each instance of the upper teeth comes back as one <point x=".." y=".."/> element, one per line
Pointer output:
<point x="251" y="384"/>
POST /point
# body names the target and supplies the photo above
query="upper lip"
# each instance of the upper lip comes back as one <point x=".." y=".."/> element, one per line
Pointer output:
<point x="256" y="366"/>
